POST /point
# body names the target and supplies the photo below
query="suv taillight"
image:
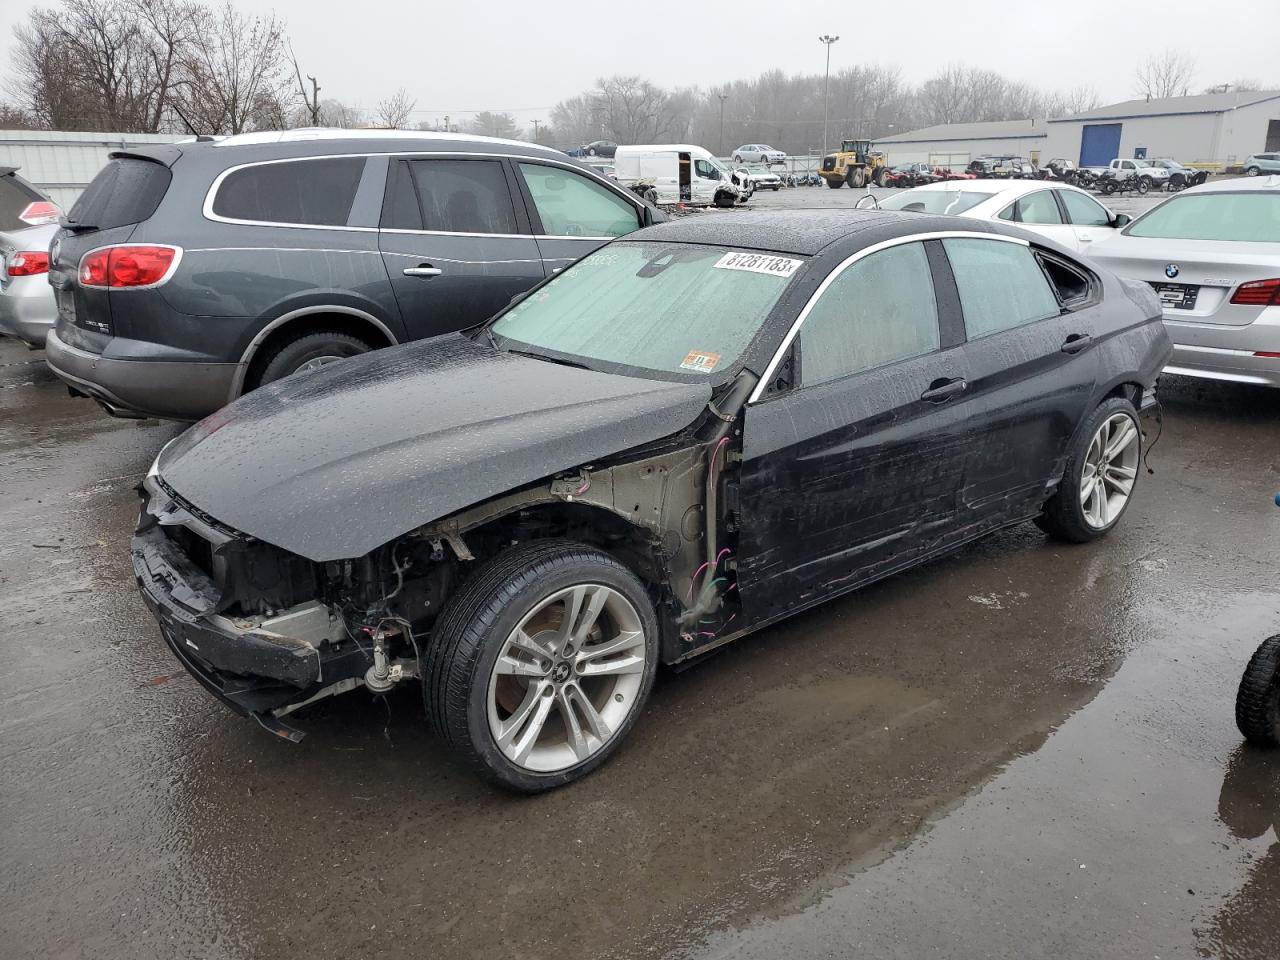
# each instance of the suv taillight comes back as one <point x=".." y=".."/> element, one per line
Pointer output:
<point x="40" y="212"/>
<point x="1258" y="293"/>
<point x="28" y="263"/>
<point x="134" y="265"/>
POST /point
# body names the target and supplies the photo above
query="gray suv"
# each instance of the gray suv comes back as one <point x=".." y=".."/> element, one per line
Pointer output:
<point x="188" y="274"/>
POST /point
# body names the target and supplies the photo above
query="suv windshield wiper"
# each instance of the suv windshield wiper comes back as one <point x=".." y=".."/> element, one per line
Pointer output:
<point x="550" y="359"/>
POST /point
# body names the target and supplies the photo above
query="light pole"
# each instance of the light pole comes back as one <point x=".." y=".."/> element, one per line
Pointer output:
<point x="535" y="130"/>
<point x="826" y="87"/>
<point x="723" y="97"/>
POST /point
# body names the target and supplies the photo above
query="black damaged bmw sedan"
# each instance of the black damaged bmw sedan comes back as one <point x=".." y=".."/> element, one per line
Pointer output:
<point x="690" y="434"/>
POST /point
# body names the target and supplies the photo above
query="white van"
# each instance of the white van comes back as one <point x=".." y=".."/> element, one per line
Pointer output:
<point x="681" y="173"/>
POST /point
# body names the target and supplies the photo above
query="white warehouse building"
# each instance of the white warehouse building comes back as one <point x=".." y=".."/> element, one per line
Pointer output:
<point x="953" y="145"/>
<point x="61" y="163"/>
<point x="1215" y="130"/>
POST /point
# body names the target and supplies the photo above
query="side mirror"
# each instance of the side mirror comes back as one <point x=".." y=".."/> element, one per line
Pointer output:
<point x="1121" y="220"/>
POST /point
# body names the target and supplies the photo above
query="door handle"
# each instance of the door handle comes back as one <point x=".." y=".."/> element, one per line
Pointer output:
<point x="940" y="391"/>
<point x="425" y="270"/>
<point x="1076" y="342"/>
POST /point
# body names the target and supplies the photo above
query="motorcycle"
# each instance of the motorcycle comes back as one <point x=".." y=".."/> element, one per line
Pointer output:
<point x="1258" y="698"/>
<point x="1109" y="183"/>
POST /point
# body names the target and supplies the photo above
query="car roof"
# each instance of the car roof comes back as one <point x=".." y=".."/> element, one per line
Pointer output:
<point x="1004" y="188"/>
<point x="1270" y="184"/>
<point x="802" y="232"/>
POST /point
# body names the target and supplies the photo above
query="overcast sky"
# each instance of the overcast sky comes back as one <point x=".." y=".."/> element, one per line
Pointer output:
<point x="455" y="58"/>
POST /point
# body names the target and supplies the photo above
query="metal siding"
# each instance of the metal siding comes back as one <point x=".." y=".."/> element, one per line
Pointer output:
<point x="63" y="162"/>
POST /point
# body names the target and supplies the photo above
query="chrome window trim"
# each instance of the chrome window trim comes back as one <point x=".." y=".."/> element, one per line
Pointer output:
<point x="207" y="208"/>
<point x="849" y="261"/>
<point x="168" y="274"/>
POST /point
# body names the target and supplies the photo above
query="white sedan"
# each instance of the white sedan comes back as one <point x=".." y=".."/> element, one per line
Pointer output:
<point x="1065" y="214"/>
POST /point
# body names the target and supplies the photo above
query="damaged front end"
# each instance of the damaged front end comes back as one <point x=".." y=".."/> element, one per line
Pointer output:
<point x="263" y="630"/>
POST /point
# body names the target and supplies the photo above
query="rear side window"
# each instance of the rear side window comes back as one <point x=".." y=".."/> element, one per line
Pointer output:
<point x="1001" y="285"/>
<point x="15" y="196"/>
<point x="307" y="192"/>
<point x="1038" y="207"/>
<point x="881" y="309"/>
<point x="126" y="191"/>
<point x="570" y="205"/>
<point x="450" y="196"/>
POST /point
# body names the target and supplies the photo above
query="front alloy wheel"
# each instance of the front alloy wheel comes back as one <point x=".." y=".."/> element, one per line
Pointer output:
<point x="540" y="663"/>
<point x="569" y="676"/>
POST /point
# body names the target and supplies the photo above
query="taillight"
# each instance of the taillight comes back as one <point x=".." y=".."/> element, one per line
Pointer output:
<point x="1258" y="293"/>
<point x="28" y="263"/>
<point x="140" y="265"/>
<point x="40" y="211"/>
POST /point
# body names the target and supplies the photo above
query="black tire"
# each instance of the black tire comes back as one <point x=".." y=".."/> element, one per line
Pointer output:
<point x="1253" y="171"/>
<point x="879" y="177"/>
<point x="290" y="356"/>
<point x="736" y="158"/>
<point x="1258" y="699"/>
<point x="1144" y="184"/>
<point x="471" y="633"/>
<point x="1063" y="516"/>
<point x="835" y="184"/>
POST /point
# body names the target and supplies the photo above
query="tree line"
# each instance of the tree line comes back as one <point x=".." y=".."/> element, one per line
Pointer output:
<point x="184" y="66"/>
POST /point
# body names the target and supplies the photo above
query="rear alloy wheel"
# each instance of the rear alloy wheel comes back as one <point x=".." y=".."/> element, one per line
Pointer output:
<point x="1100" y="476"/>
<point x="541" y="663"/>
<point x="1258" y="699"/>
<point x="310" y="352"/>
<point x="1252" y="171"/>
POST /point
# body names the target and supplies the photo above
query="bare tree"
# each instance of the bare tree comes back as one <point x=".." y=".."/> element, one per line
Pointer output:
<point x="15" y="118"/>
<point x="489" y="124"/>
<point x="393" y="112"/>
<point x="235" y="72"/>
<point x="1166" y="74"/>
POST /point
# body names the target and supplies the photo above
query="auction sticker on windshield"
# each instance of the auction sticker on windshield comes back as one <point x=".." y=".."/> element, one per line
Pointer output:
<point x="700" y="361"/>
<point x="759" y="263"/>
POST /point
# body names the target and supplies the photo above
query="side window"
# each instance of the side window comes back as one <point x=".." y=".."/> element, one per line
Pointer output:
<point x="314" y="192"/>
<point x="879" y="310"/>
<point x="1084" y="210"/>
<point x="1035" y="208"/>
<point x="1001" y="285"/>
<point x="704" y="169"/>
<point x="570" y="205"/>
<point x="463" y="196"/>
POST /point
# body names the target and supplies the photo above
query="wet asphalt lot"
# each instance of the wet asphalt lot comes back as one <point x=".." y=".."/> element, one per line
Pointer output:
<point x="1024" y="750"/>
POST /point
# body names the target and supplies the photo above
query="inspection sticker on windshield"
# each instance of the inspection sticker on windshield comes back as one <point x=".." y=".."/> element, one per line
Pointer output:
<point x="700" y="361"/>
<point x="759" y="263"/>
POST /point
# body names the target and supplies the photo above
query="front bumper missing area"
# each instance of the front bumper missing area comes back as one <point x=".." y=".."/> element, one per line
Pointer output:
<point x="255" y="672"/>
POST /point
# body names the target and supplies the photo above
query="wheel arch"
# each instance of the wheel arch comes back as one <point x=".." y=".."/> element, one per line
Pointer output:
<point x="343" y="319"/>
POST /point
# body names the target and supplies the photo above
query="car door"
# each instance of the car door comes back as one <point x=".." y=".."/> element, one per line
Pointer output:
<point x="456" y="245"/>
<point x="856" y="469"/>
<point x="1089" y="219"/>
<point x="572" y="214"/>
<point x="1039" y="212"/>
<point x="1032" y="366"/>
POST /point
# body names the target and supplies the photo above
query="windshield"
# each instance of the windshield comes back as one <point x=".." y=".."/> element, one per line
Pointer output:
<point x="935" y="201"/>
<point x="1213" y="216"/>
<point x="680" y="311"/>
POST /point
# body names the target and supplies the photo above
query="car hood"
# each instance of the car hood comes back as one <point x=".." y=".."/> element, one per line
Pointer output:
<point x="333" y="463"/>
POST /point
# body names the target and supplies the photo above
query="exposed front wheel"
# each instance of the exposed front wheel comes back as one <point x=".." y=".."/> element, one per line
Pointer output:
<point x="1144" y="184"/>
<point x="1100" y="475"/>
<point x="310" y="351"/>
<point x="835" y="184"/>
<point x="540" y="663"/>
<point x="1258" y="699"/>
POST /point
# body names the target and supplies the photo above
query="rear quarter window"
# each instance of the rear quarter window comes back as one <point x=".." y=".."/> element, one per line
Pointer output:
<point x="126" y="191"/>
<point x="305" y="192"/>
<point x="15" y="196"/>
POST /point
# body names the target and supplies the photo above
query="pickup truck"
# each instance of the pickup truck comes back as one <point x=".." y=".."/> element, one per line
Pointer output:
<point x="1143" y="174"/>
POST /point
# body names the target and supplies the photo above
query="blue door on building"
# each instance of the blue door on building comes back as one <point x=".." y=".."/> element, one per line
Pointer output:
<point x="1099" y="144"/>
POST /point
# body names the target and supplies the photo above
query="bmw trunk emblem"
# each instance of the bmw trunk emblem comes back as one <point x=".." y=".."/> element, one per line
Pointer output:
<point x="1171" y="270"/>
